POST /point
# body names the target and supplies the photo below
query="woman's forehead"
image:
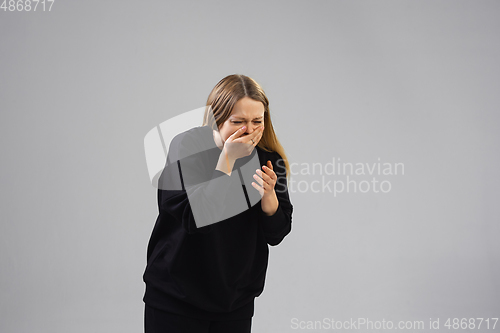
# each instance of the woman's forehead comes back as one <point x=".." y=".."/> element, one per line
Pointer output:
<point x="248" y="111"/>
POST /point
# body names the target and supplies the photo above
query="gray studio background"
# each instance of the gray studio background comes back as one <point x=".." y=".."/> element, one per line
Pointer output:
<point x="412" y="82"/>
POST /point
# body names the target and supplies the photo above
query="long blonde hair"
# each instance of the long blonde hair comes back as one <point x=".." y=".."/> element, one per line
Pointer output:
<point x="226" y="94"/>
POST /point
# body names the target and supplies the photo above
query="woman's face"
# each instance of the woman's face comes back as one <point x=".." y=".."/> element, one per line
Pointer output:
<point x="246" y="112"/>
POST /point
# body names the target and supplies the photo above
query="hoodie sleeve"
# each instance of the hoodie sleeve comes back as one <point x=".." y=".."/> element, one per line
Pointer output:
<point x="278" y="225"/>
<point x="188" y="191"/>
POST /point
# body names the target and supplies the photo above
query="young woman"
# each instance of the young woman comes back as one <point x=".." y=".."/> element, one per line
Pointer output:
<point x="208" y="253"/>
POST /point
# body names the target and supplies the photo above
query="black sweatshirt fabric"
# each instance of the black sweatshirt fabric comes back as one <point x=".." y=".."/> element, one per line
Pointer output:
<point x="198" y="268"/>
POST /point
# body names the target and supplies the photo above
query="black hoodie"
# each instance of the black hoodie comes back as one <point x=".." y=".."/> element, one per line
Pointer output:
<point x="199" y="263"/>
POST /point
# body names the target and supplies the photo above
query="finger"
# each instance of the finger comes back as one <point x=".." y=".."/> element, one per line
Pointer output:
<point x="270" y="165"/>
<point x="258" y="188"/>
<point x="269" y="171"/>
<point x="263" y="183"/>
<point x="258" y="179"/>
<point x="268" y="177"/>
<point x="237" y="135"/>
<point x="256" y="134"/>
<point x="248" y="138"/>
<point x="259" y="136"/>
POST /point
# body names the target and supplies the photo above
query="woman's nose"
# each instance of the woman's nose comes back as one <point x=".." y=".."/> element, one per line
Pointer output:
<point x="250" y="129"/>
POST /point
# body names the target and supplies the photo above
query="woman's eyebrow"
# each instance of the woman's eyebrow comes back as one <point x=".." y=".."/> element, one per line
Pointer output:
<point x="245" y="118"/>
